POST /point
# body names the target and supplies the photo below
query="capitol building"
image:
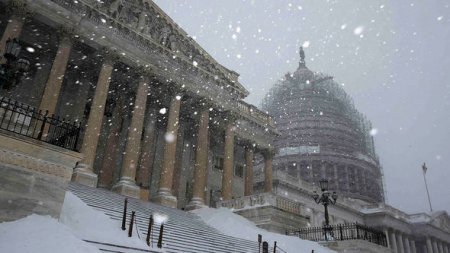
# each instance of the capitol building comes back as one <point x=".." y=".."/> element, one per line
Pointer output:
<point x="321" y="135"/>
<point x="114" y="96"/>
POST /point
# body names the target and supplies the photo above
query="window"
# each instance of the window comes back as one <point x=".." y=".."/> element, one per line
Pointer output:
<point x="239" y="170"/>
<point x="218" y="163"/>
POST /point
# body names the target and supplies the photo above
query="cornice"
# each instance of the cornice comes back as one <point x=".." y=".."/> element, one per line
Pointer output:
<point x="148" y="26"/>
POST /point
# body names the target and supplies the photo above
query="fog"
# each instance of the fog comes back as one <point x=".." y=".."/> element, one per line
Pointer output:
<point x="392" y="57"/>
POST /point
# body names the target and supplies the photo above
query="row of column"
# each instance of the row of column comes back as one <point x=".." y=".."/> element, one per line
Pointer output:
<point x="434" y="245"/>
<point x="399" y="242"/>
<point x="83" y="173"/>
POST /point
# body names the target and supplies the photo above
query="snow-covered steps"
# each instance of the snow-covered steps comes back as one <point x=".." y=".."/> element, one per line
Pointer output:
<point x="112" y="248"/>
<point x="183" y="231"/>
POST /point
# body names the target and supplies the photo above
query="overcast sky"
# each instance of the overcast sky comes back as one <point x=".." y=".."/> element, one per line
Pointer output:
<point x="392" y="57"/>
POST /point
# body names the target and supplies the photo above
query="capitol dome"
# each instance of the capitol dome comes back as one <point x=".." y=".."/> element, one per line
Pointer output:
<point x="322" y="134"/>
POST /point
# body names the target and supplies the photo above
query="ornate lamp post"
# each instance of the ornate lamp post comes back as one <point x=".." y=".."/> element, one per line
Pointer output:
<point x="14" y="68"/>
<point x="325" y="198"/>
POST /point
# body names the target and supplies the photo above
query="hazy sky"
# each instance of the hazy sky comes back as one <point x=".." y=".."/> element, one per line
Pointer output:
<point x="393" y="58"/>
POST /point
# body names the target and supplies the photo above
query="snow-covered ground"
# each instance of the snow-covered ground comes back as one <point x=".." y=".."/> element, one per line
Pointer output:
<point x="88" y="223"/>
<point x="78" y="221"/>
<point x="235" y="225"/>
<point x="42" y="234"/>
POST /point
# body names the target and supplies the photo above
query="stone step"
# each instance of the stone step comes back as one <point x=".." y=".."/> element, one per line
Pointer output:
<point x="109" y="247"/>
<point x="118" y="216"/>
<point x="183" y="232"/>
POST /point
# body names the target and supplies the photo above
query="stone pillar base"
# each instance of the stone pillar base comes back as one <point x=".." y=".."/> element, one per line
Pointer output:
<point x="195" y="203"/>
<point x="145" y="194"/>
<point x="165" y="198"/>
<point x="84" y="176"/>
<point x="127" y="188"/>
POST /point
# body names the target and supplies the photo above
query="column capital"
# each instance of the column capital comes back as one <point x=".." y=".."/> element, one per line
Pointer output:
<point x="249" y="145"/>
<point x="143" y="73"/>
<point x="269" y="153"/>
<point x="231" y="116"/>
<point x="109" y="56"/>
<point x="66" y="34"/>
<point x="204" y="103"/>
<point x="173" y="90"/>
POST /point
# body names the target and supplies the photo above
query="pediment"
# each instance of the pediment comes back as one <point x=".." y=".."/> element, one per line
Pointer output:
<point x="441" y="220"/>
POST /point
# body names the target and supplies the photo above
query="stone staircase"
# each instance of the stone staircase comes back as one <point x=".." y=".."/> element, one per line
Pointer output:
<point x="183" y="232"/>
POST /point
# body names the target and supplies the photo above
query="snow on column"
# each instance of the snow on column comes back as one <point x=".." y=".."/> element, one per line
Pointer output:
<point x="268" y="158"/>
<point x="228" y="161"/>
<point x="59" y="67"/>
<point x="127" y="183"/>
<point x="201" y="161"/>
<point x="164" y="195"/>
<point x="83" y="172"/>
<point x="147" y="151"/>
<point x="249" y="155"/>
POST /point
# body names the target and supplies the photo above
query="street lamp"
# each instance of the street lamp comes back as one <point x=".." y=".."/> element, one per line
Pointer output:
<point x="325" y="198"/>
<point x="13" y="69"/>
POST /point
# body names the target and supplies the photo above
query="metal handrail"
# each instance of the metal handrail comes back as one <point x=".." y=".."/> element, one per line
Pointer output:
<point x="26" y="120"/>
<point x="341" y="232"/>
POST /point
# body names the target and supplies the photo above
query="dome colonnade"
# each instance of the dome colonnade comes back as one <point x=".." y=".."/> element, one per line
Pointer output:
<point x="323" y="135"/>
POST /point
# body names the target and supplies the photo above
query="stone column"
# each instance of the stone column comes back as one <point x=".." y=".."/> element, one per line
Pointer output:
<point x="15" y="23"/>
<point x="386" y="232"/>
<point x="336" y="176"/>
<point x="106" y="172"/>
<point x="84" y="172"/>
<point x="441" y="249"/>
<point x="249" y="155"/>
<point x="127" y="183"/>
<point x="435" y="247"/>
<point x="178" y="166"/>
<point x="164" y="195"/>
<point x="394" y="242"/>
<point x="56" y="77"/>
<point x="228" y="162"/>
<point x="144" y="172"/>
<point x="407" y="244"/>
<point x="413" y="246"/>
<point x="401" y="248"/>
<point x="268" y="158"/>
<point x="446" y="248"/>
<point x="429" y="246"/>
<point x="201" y="162"/>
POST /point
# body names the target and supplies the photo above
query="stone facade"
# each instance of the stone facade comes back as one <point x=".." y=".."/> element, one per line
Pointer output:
<point x="356" y="246"/>
<point x="33" y="176"/>
<point x="406" y="233"/>
<point x="322" y="135"/>
<point x="162" y="120"/>
<point x="165" y="122"/>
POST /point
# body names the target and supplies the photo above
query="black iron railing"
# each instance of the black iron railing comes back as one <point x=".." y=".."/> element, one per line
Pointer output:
<point x="28" y="121"/>
<point x="342" y="232"/>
